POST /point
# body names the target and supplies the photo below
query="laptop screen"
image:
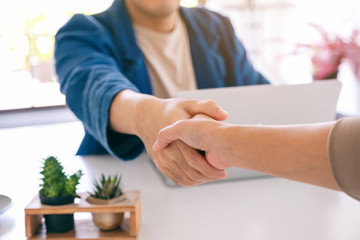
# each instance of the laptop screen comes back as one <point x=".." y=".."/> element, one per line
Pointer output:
<point x="275" y="104"/>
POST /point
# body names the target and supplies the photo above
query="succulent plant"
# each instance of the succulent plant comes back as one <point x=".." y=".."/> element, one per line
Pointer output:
<point x="55" y="182"/>
<point x="107" y="187"/>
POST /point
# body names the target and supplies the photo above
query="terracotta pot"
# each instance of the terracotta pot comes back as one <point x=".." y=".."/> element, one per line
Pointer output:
<point x="107" y="221"/>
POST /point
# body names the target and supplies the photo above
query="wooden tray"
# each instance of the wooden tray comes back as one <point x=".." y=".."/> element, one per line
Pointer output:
<point x="84" y="228"/>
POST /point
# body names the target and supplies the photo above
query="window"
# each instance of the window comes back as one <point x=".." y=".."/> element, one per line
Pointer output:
<point x="270" y="29"/>
<point x="27" y="30"/>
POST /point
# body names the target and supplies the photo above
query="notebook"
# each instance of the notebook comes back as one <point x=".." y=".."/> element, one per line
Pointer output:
<point x="270" y="104"/>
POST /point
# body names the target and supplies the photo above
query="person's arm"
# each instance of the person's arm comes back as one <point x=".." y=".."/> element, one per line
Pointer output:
<point x="113" y="111"/>
<point x="297" y="152"/>
<point x="90" y="78"/>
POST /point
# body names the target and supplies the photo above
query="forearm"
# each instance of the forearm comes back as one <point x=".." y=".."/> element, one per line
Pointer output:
<point x="128" y="109"/>
<point x="294" y="152"/>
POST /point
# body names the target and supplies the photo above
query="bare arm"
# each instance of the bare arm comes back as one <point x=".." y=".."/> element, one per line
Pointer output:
<point x="296" y="152"/>
<point x="144" y="115"/>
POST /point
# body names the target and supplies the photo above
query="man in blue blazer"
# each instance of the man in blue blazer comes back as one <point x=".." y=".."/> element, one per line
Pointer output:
<point x="118" y="69"/>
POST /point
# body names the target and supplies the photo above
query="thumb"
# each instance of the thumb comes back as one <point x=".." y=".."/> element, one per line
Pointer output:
<point x="168" y="135"/>
<point x="206" y="107"/>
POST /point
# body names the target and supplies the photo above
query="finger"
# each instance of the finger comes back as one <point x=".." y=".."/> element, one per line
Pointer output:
<point x="177" y="174"/>
<point x="170" y="168"/>
<point x="169" y="134"/>
<point x="187" y="155"/>
<point x="196" y="166"/>
<point x="207" y="107"/>
<point x="186" y="171"/>
<point x="201" y="116"/>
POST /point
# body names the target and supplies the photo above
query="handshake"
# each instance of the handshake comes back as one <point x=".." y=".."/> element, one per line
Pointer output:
<point x="177" y="158"/>
<point x="207" y="155"/>
<point x="190" y="151"/>
<point x="190" y="144"/>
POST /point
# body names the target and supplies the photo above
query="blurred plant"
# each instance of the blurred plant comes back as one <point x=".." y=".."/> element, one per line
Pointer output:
<point x="27" y="30"/>
<point x="40" y="39"/>
<point x="55" y="182"/>
<point x="331" y="52"/>
<point x="107" y="187"/>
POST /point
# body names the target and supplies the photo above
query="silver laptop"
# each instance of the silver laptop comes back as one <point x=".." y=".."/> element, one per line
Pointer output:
<point x="271" y="104"/>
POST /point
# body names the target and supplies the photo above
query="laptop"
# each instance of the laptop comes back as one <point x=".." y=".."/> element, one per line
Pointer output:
<point x="270" y="104"/>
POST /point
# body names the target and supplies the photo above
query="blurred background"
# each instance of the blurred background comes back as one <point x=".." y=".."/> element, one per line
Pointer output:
<point x="271" y="30"/>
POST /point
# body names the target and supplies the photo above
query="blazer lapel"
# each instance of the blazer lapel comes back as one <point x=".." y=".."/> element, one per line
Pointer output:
<point x="131" y="56"/>
<point x="204" y="44"/>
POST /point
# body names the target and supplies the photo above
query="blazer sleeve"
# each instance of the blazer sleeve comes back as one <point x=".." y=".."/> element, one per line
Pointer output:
<point x="344" y="155"/>
<point x="89" y="77"/>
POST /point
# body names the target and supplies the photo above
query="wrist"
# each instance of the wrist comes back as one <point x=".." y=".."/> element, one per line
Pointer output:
<point x="126" y="111"/>
<point x="233" y="138"/>
<point x="146" y="107"/>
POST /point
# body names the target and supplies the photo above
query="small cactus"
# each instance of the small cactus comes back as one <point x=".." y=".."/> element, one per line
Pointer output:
<point x="54" y="182"/>
<point x="107" y="187"/>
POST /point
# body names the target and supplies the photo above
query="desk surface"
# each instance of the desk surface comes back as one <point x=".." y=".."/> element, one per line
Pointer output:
<point x="262" y="209"/>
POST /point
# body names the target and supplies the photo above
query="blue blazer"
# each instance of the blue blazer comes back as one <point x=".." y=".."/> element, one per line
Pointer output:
<point x="97" y="56"/>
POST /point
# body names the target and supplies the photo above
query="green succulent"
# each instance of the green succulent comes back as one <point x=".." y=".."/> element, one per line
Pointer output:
<point x="107" y="187"/>
<point x="55" y="183"/>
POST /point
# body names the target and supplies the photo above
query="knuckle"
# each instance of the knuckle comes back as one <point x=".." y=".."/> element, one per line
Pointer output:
<point x="161" y="168"/>
<point x="191" y="100"/>
<point x="209" y="102"/>
<point x="182" y="184"/>
<point x="196" y="176"/>
<point x="184" y="166"/>
<point x="180" y="181"/>
<point x="166" y="164"/>
<point x="187" y="183"/>
<point x="184" y="181"/>
<point x="198" y="179"/>
<point x="191" y="161"/>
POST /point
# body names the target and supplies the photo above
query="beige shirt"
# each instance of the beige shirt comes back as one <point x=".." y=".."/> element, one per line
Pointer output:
<point x="168" y="59"/>
<point x="344" y="155"/>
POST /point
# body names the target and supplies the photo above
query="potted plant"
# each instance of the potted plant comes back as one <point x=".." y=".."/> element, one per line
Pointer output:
<point x="57" y="189"/>
<point x="331" y="52"/>
<point x="107" y="190"/>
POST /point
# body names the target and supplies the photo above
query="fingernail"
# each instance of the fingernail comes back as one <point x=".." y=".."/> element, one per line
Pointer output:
<point x="223" y="175"/>
<point x="221" y="111"/>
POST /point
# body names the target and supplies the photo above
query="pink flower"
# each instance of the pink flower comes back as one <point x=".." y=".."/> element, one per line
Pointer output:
<point x="328" y="55"/>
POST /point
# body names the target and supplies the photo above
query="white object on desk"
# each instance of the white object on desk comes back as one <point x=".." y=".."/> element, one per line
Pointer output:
<point x="274" y="104"/>
<point x="5" y="203"/>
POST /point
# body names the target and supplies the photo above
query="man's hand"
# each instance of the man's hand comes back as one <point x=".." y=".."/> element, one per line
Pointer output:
<point x="201" y="133"/>
<point x="147" y="115"/>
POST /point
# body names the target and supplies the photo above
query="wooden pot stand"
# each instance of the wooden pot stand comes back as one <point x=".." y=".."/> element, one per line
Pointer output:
<point x="85" y="228"/>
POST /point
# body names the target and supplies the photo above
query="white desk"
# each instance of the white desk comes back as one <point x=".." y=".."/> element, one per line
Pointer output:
<point x="263" y="209"/>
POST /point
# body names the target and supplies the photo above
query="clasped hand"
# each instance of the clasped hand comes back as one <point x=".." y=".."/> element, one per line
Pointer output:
<point x="145" y="115"/>
<point x="180" y="162"/>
